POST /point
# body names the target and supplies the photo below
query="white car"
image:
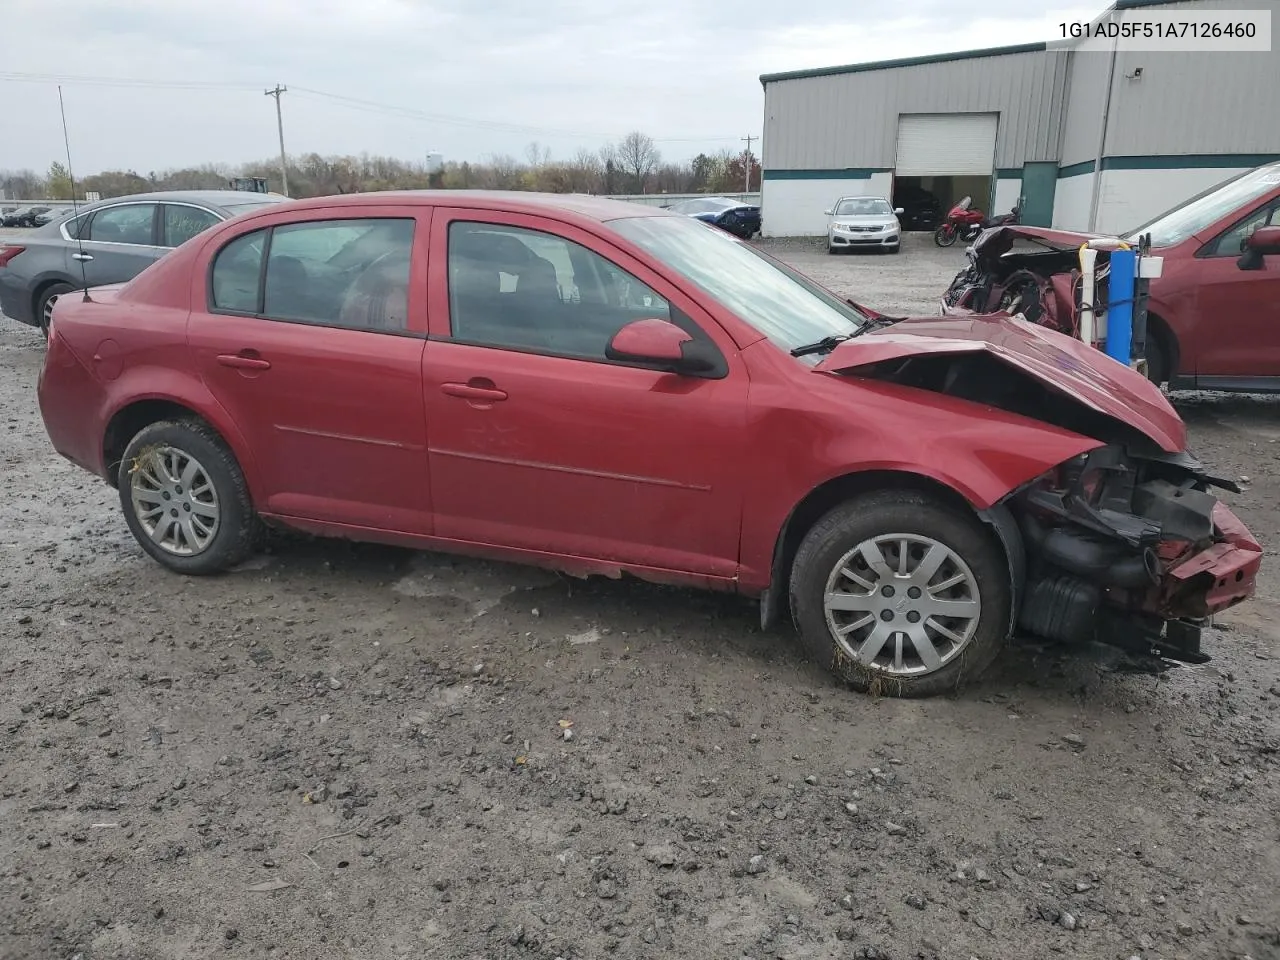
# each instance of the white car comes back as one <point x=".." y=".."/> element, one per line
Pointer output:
<point x="868" y="222"/>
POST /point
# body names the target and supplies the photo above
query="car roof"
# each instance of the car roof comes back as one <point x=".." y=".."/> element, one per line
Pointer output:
<point x="209" y="198"/>
<point x="601" y="209"/>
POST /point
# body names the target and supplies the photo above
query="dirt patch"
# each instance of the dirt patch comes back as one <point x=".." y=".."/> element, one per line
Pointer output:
<point x="347" y="751"/>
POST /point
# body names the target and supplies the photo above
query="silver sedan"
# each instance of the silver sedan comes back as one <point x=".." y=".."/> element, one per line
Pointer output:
<point x="868" y="222"/>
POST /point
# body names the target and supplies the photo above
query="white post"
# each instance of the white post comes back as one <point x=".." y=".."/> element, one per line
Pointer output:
<point x="1088" y="257"/>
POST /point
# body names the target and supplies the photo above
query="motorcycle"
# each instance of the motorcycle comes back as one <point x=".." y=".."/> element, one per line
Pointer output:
<point x="965" y="223"/>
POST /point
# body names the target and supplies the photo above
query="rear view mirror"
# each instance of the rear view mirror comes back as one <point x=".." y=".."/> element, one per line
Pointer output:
<point x="899" y="211"/>
<point x="826" y="213"/>
<point x="1263" y="242"/>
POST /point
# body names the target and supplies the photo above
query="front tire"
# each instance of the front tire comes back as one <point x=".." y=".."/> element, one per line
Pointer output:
<point x="900" y="595"/>
<point x="185" y="498"/>
<point x="44" y="304"/>
<point x="944" y="236"/>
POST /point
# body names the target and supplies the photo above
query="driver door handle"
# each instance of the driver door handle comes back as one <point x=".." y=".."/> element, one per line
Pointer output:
<point x="82" y="257"/>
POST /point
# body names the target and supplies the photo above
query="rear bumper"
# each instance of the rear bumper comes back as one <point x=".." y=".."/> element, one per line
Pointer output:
<point x="15" y="301"/>
<point x="70" y="398"/>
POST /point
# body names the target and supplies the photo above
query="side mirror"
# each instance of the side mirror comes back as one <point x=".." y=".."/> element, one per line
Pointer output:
<point x="899" y="211"/>
<point x="1265" y="241"/>
<point x="826" y="213"/>
<point x="658" y="343"/>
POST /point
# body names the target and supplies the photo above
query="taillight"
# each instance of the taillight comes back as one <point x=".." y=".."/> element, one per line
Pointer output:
<point x="8" y="252"/>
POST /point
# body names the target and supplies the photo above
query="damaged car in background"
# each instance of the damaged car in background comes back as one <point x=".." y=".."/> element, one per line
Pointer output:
<point x="608" y="389"/>
<point x="1209" y="321"/>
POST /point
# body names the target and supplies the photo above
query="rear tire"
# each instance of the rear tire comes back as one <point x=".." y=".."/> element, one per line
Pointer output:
<point x="185" y="498"/>
<point x="44" y="304"/>
<point x="1158" y="357"/>
<point x="954" y="565"/>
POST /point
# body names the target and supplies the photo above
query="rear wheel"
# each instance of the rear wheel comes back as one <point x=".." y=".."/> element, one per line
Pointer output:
<point x="44" y="303"/>
<point x="900" y="595"/>
<point x="1157" y="359"/>
<point x="185" y="498"/>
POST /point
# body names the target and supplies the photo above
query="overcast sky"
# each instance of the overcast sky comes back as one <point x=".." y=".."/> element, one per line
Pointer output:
<point x="469" y="79"/>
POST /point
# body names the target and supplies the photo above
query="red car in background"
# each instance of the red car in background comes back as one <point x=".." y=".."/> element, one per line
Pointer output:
<point x="1213" y="316"/>
<point x="606" y="388"/>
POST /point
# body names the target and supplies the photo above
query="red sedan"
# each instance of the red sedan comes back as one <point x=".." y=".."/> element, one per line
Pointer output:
<point x="605" y="388"/>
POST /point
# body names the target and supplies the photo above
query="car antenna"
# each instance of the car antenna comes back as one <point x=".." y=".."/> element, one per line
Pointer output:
<point x="75" y="208"/>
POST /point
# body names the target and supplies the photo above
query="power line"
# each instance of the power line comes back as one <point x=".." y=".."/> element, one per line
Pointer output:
<point x="354" y="103"/>
<point x="61" y="78"/>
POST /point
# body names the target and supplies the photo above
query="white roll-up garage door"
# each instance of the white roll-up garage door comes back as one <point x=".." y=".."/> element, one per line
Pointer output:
<point x="946" y="144"/>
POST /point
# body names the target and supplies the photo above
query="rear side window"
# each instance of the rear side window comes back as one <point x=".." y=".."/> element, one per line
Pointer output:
<point x="73" y="227"/>
<point x="237" y="274"/>
<point x="132" y="223"/>
<point x="341" y="273"/>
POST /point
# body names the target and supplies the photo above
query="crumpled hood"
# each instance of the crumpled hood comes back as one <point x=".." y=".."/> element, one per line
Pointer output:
<point x="997" y="241"/>
<point x="1060" y="362"/>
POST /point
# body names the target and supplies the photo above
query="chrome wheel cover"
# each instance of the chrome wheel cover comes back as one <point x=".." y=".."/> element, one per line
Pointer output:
<point x="174" y="500"/>
<point x="902" y="604"/>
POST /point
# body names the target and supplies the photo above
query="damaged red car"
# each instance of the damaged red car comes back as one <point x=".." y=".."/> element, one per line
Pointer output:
<point x="605" y="388"/>
<point x="1211" y="321"/>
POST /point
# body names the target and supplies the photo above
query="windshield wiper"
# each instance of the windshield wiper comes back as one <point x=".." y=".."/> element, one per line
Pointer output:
<point x="823" y="345"/>
<point x="830" y="343"/>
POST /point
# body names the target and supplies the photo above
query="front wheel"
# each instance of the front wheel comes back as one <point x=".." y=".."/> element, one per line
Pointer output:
<point x="899" y="595"/>
<point x="944" y="236"/>
<point x="185" y="498"/>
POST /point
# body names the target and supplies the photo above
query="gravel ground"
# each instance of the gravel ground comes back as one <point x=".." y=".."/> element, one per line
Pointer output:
<point x="346" y="751"/>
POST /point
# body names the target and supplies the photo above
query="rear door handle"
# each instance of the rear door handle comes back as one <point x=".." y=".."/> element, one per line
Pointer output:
<point x="82" y="257"/>
<point x="474" y="391"/>
<point x="243" y="362"/>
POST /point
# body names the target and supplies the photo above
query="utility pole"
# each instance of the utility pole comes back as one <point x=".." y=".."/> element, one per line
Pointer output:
<point x="746" y="162"/>
<point x="284" y="164"/>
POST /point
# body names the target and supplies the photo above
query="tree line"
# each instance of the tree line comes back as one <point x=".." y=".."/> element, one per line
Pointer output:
<point x="632" y="165"/>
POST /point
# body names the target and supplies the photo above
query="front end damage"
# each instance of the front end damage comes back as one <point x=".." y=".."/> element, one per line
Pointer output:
<point x="1124" y="545"/>
<point x="1131" y="550"/>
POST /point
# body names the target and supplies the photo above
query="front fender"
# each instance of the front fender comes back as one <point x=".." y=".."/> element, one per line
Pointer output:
<point x="144" y="382"/>
<point x="978" y="460"/>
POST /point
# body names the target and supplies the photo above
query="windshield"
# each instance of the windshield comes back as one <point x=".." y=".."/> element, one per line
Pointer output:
<point x="1207" y="208"/>
<point x="789" y="309"/>
<point x="863" y="207"/>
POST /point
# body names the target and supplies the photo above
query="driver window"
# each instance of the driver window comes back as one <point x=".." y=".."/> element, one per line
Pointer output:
<point x="344" y="273"/>
<point x="525" y="289"/>
<point x="1231" y="243"/>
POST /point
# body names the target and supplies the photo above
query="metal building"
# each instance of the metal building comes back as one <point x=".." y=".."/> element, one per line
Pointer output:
<point x="1026" y="124"/>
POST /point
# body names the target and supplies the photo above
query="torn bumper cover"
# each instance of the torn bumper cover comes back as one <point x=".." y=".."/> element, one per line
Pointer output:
<point x="1217" y="577"/>
<point x="1132" y="551"/>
